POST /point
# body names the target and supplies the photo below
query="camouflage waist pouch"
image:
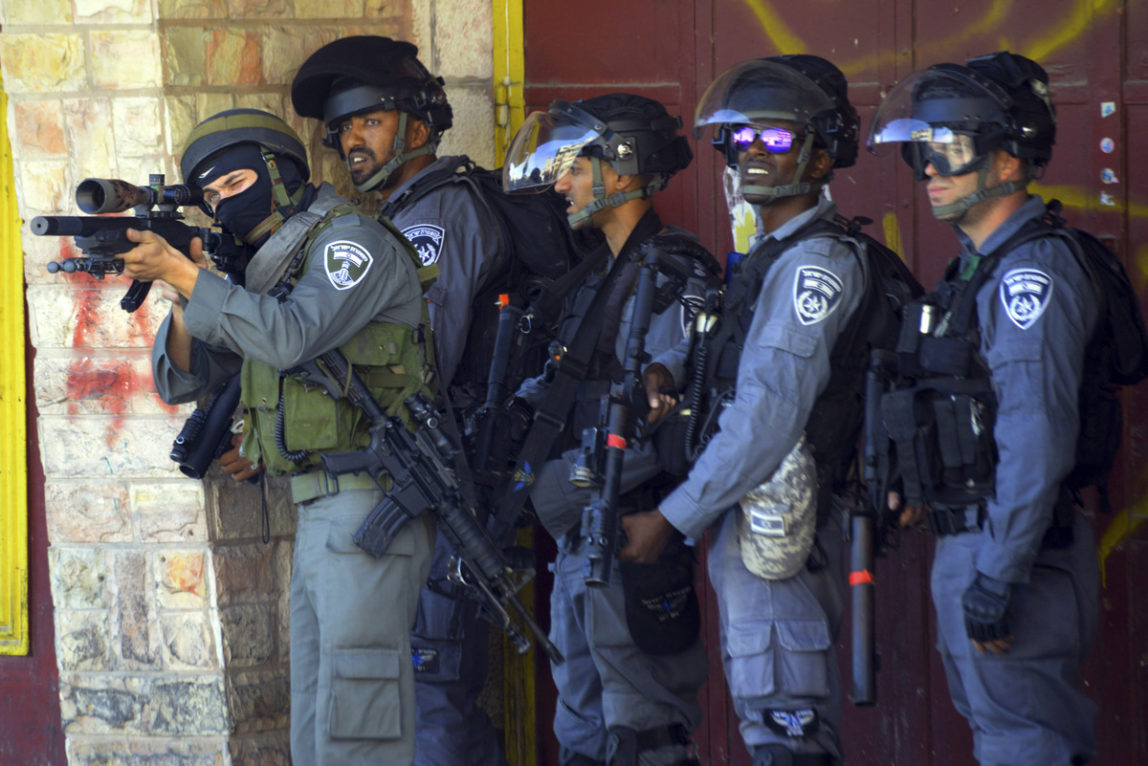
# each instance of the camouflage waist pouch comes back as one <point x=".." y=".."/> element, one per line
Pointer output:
<point x="777" y="519"/>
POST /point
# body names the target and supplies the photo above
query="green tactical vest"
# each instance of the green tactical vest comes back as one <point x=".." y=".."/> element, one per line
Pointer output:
<point x="389" y="357"/>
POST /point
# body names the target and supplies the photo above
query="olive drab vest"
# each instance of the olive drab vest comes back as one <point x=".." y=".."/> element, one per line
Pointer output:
<point x="284" y="413"/>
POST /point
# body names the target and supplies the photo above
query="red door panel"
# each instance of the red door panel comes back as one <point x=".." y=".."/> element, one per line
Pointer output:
<point x="1095" y="53"/>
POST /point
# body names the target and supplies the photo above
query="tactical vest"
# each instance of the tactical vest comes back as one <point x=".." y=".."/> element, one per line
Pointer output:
<point x="287" y="415"/>
<point x="834" y="423"/>
<point x="944" y="416"/>
<point x="941" y="419"/>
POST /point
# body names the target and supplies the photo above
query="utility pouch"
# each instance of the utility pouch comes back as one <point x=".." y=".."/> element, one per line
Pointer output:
<point x="777" y="520"/>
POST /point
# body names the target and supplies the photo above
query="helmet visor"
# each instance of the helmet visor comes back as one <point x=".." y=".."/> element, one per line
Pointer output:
<point x="936" y="105"/>
<point x="758" y="91"/>
<point x="545" y="147"/>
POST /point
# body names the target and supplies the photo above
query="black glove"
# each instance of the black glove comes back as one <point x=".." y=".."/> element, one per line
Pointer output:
<point x="986" y="604"/>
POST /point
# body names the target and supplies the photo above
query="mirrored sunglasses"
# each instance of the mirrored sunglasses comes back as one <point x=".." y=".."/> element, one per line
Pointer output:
<point x="775" y="140"/>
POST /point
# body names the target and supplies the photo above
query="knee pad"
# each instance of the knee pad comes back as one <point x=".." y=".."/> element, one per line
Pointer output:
<point x="780" y="755"/>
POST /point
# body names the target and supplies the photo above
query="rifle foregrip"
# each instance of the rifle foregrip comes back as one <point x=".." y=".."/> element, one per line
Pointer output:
<point x="472" y="543"/>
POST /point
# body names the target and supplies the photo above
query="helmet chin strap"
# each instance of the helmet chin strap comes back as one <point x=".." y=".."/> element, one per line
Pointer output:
<point x="961" y="206"/>
<point x="283" y="204"/>
<point x="602" y="201"/>
<point x="398" y="147"/>
<point x="797" y="188"/>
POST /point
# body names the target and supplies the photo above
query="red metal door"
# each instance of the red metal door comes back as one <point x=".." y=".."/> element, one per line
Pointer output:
<point x="1097" y="56"/>
<point x="30" y="725"/>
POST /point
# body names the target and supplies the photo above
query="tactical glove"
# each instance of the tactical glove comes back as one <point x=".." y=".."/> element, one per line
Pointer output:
<point x="986" y="604"/>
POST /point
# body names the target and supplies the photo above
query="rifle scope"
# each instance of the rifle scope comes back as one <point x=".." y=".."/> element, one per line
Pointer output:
<point x="111" y="195"/>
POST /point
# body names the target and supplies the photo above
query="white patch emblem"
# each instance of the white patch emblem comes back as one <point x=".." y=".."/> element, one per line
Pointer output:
<point x="1024" y="295"/>
<point x="816" y="292"/>
<point x="427" y="240"/>
<point x="346" y="263"/>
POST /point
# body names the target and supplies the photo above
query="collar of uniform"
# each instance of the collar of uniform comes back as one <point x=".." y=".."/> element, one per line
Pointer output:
<point x="1033" y="207"/>
<point x="824" y="208"/>
<point x="453" y="160"/>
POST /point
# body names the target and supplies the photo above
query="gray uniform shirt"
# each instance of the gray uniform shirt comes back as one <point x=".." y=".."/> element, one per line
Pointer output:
<point x="452" y="227"/>
<point x="327" y="307"/>
<point x="1036" y="313"/>
<point x="806" y="300"/>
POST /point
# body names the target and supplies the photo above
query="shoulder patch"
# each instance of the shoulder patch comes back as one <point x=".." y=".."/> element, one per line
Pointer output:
<point x="1025" y="294"/>
<point x="346" y="263"/>
<point x="427" y="240"/>
<point x="816" y="293"/>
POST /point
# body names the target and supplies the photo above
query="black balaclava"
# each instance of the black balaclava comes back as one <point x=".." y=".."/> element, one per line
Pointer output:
<point x="253" y="214"/>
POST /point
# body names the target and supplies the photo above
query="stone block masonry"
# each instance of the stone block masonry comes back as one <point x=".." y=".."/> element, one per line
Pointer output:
<point x="171" y="613"/>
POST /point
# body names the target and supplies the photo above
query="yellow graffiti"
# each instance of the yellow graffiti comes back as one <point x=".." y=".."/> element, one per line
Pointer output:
<point x="993" y="19"/>
<point x="892" y="228"/>
<point x="1072" y="26"/>
<point x="778" y="33"/>
<point x="1069" y="28"/>
<point x="1083" y="198"/>
<point x="1121" y="528"/>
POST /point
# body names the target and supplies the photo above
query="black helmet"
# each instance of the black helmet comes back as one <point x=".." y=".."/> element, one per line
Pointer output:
<point x="366" y="73"/>
<point x="800" y="88"/>
<point x="265" y="140"/>
<point x="633" y="133"/>
<point x="953" y="116"/>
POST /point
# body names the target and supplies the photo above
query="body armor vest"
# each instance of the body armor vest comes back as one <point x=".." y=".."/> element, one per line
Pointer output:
<point x="286" y="414"/>
<point x="941" y="415"/>
<point x="834" y="423"/>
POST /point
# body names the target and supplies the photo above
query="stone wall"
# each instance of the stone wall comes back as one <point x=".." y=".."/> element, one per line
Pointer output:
<point x="171" y="612"/>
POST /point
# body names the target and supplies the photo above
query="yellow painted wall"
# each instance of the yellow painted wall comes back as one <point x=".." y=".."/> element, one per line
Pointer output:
<point x="13" y="442"/>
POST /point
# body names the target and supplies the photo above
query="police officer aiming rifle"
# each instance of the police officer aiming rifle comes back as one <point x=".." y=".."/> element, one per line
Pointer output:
<point x="323" y="277"/>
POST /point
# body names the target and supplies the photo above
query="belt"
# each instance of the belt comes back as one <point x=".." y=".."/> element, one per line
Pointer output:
<point x="954" y="521"/>
<point x="318" y="483"/>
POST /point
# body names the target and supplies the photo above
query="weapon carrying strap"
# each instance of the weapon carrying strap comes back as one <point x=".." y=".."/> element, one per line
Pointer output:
<point x="550" y="416"/>
<point x="271" y="263"/>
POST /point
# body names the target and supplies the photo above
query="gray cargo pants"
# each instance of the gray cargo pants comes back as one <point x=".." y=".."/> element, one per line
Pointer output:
<point x="352" y="681"/>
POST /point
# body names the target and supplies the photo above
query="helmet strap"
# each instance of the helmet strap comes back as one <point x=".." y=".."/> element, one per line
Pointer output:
<point x="798" y="187"/>
<point x="980" y="195"/>
<point x="400" y="156"/>
<point x="602" y="201"/>
<point x="283" y="203"/>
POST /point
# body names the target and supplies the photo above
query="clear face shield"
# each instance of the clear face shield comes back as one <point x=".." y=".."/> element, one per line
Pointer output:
<point x="756" y="92"/>
<point x="942" y="118"/>
<point x="545" y="147"/>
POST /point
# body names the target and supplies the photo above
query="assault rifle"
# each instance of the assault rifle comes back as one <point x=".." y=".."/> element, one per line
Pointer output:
<point x="872" y="531"/>
<point x="103" y="239"/>
<point x="421" y="465"/>
<point x="489" y="424"/>
<point x="604" y="447"/>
